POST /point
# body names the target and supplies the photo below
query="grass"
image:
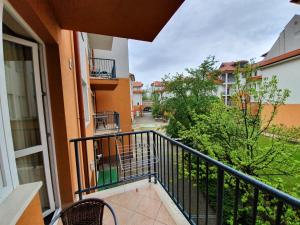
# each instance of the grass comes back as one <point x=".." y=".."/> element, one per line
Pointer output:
<point x="289" y="182"/>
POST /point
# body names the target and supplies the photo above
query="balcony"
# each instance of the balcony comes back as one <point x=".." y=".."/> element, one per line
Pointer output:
<point x="106" y="122"/>
<point x="103" y="74"/>
<point x="102" y="68"/>
<point x="147" y="175"/>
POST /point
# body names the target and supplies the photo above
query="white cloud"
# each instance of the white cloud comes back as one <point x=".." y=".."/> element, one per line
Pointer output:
<point x="228" y="29"/>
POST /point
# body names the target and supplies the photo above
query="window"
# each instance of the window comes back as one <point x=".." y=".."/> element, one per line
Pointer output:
<point x="85" y="102"/>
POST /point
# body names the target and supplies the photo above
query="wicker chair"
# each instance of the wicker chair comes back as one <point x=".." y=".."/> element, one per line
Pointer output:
<point x="84" y="212"/>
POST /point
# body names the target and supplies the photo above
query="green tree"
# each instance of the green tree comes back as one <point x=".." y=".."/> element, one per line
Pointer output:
<point x="157" y="106"/>
<point x="234" y="136"/>
<point x="191" y="92"/>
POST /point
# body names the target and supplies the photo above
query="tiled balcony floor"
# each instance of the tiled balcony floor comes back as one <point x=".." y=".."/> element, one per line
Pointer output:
<point x="138" y="207"/>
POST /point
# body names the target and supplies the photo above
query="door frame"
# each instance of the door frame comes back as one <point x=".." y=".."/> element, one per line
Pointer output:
<point x="47" y="99"/>
<point x="41" y="115"/>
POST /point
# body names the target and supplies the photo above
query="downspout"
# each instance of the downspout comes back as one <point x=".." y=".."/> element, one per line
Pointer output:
<point x="81" y="108"/>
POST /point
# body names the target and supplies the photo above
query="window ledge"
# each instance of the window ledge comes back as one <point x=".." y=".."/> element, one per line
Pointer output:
<point x="12" y="208"/>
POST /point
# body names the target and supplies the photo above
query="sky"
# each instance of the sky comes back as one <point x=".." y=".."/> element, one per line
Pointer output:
<point x="227" y="29"/>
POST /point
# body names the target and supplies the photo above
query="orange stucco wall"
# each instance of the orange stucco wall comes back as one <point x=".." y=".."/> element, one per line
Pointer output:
<point x="288" y="115"/>
<point x="117" y="100"/>
<point x="32" y="214"/>
<point x="62" y="87"/>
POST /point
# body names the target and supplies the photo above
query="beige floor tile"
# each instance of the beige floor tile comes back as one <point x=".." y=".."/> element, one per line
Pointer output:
<point x="149" y="192"/>
<point x="164" y="216"/>
<point x="128" y="200"/>
<point x="158" y="223"/>
<point x="123" y="215"/>
<point x="114" y="198"/>
<point x="139" y="219"/>
<point x="148" y="207"/>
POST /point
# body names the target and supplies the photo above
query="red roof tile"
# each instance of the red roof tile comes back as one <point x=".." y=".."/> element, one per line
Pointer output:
<point x="279" y="58"/>
<point x="137" y="84"/>
<point x="157" y="84"/>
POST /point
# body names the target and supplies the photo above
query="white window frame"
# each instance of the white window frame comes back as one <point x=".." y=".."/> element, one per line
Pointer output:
<point x="7" y="158"/>
<point x="4" y="164"/>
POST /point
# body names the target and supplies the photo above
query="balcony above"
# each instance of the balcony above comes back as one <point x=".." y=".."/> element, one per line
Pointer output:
<point x="103" y="84"/>
<point x="103" y="74"/>
<point x="255" y="78"/>
<point x="140" y="20"/>
<point x="106" y="122"/>
<point x="102" y="68"/>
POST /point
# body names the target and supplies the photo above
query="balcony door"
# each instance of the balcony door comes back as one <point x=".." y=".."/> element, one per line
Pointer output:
<point x="26" y="115"/>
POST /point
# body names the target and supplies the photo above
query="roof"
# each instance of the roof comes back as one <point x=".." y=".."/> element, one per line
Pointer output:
<point x="227" y="66"/>
<point x="157" y="84"/>
<point x="231" y="66"/>
<point x="295" y="1"/>
<point x="138" y="84"/>
<point x="279" y="58"/>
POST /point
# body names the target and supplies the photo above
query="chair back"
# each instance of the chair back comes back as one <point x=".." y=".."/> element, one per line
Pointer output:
<point x="84" y="212"/>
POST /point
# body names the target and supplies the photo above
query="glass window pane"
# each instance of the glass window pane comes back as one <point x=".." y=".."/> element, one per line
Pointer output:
<point x="21" y="95"/>
<point x="31" y="169"/>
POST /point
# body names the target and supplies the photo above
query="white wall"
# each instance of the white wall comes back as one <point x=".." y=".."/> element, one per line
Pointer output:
<point x="83" y="48"/>
<point x="288" y="74"/>
<point x="137" y="98"/>
<point x="119" y="52"/>
<point x="288" y="40"/>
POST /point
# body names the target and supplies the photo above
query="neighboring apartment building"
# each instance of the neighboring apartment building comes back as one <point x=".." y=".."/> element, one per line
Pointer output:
<point x="157" y="87"/>
<point x="227" y="80"/>
<point x="138" y="98"/>
<point x="47" y="97"/>
<point x="283" y="60"/>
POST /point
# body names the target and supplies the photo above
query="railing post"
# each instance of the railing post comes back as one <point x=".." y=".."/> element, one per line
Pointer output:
<point x="78" y="170"/>
<point x="148" y="153"/>
<point x="113" y="75"/>
<point x="220" y="192"/>
<point x="118" y="121"/>
<point x="155" y="157"/>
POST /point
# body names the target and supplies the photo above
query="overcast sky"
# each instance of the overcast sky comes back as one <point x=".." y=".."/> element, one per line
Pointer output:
<point x="228" y="29"/>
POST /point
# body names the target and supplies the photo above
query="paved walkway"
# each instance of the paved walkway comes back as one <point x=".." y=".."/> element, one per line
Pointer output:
<point x="147" y="122"/>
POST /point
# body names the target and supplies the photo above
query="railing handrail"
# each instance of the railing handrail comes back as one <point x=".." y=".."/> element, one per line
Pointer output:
<point x="286" y="198"/>
<point x="106" y="112"/>
<point x="102" y="67"/>
<point x="251" y="180"/>
<point x="98" y="58"/>
<point x="107" y="135"/>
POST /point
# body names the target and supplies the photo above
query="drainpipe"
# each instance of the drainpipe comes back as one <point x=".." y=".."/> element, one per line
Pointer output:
<point x="81" y="108"/>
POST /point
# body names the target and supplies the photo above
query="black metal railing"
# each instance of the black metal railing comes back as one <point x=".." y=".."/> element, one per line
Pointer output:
<point x="205" y="190"/>
<point x="102" y="68"/>
<point x="106" y="121"/>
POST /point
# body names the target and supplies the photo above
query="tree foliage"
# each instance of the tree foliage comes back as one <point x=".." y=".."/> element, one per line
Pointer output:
<point x="232" y="134"/>
<point x="187" y="93"/>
